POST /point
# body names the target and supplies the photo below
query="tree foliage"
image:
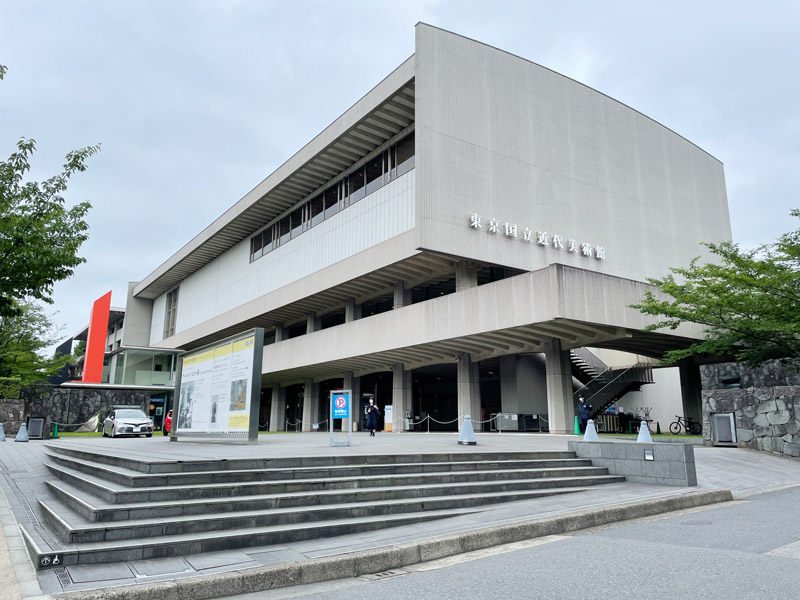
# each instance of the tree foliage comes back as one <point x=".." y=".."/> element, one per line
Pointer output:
<point x="23" y="336"/>
<point x="748" y="301"/>
<point x="39" y="236"/>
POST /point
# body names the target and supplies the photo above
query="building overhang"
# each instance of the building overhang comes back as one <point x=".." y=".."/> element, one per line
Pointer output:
<point x="383" y="113"/>
<point x="517" y="315"/>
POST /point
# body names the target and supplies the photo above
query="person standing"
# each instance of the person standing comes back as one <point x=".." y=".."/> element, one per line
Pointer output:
<point x="372" y="417"/>
<point x="584" y="410"/>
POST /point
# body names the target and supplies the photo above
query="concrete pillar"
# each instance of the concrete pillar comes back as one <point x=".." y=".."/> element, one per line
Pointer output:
<point x="353" y="383"/>
<point x="560" y="412"/>
<point x="310" y="404"/>
<point x="469" y="391"/>
<point x="280" y="333"/>
<point x="402" y="296"/>
<point x="312" y="323"/>
<point x="691" y="389"/>
<point x="277" y="413"/>
<point x="401" y="395"/>
<point x="352" y="311"/>
<point x="509" y="401"/>
<point x="531" y="384"/>
<point x="466" y="276"/>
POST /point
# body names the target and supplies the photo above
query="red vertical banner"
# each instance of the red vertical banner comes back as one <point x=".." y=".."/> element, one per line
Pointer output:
<point x="96" y="342"/>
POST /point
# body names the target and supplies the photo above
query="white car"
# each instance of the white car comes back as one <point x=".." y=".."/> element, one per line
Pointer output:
<point x="127" y="421"/>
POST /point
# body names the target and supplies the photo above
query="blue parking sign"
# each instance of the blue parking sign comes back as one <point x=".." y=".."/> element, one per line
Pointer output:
<point x="341" y="405"/>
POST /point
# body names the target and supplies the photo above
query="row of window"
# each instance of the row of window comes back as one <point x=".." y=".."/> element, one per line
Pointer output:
<point x="377" y="172"/>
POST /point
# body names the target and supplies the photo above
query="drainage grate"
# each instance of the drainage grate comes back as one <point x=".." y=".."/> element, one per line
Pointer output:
<point x="63" y="577"/>
<point x="384" y="575"/>
<point x="34" y="520"/>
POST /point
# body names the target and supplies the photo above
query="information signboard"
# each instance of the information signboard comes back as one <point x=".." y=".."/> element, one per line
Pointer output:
<point x="219" y="388"/>
<point x="340" y="409"/>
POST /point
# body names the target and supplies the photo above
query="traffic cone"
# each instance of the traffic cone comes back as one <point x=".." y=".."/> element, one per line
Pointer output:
<point x="22" y="434"/>
<point x="577" y="430"/>
<point x="658" y="428"/>
<point x="2" y="434"/>
<point x="55" y="431"/>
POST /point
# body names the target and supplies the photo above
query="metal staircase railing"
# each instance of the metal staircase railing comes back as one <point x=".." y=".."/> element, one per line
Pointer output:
<point x="610" y="385"/>
<point x="586" y="365"/>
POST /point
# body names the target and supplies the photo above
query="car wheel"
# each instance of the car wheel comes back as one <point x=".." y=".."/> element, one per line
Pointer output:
<point x="112" y="433"/>
<point x="104" y="432"/>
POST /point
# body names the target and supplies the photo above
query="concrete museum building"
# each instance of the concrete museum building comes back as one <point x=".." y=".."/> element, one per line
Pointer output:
<point x="451" y="244"/>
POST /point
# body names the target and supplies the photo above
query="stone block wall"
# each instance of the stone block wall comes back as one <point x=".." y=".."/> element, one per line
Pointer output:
<point x="769" y="374"/>
<point x="767" y="419"/>
<point x="12" y="415"/>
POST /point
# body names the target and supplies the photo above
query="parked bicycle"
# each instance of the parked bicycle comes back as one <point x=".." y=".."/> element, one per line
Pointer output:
<point x="691" y="427"/>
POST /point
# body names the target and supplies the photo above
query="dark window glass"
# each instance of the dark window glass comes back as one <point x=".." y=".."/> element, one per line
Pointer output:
<point x="331" y="201"/>
<point x="392" y="162"/>
<point x="285" y="230"/>
<point x="343" y="189"/>
<point x="356" y="185"/>
<point x="296" y="330"/>
<point x="257" y="245"/>
<point x="297" y="222"/>
<point x="331" y="319"/>
<point x="374" y="174"/>
<point x="405" y="155"/>
<point x="317" y="210"/>
<point x="269" y="244"/>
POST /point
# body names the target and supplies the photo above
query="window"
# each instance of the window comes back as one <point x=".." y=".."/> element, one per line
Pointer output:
<point x="317" y="210"/>
<point x="331" y="201"/>
<point x="284" y="230"/>
<point x="356" y="183"/>
<point x="297" y="221"/>
<point x="171" y="314"/>
<point x="256" y="250"/>
<point x="374" y="173"/>
<point x="405" y="155"/>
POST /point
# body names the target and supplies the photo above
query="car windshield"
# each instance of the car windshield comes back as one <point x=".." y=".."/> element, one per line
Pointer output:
<point x="131" y="414"/>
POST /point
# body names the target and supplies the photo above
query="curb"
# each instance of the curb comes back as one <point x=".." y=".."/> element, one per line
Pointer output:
<point x="355" y="564"/>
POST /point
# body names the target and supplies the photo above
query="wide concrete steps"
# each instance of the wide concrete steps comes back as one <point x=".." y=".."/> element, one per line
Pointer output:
<point x="107" y="508"/>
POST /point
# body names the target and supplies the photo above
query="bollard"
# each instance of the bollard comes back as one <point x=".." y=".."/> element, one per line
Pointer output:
<point x="577" y="430"/>
<point x="591" y="432"/>
<point x="644" y="434"/>
<point x="2" y="434"/>
<point x="55" y="432"/>
<point x="467" y="435"/>
<point x="22" y="434"/>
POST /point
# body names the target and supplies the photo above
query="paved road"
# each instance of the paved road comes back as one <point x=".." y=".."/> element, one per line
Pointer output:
<point x="746" y="549"/>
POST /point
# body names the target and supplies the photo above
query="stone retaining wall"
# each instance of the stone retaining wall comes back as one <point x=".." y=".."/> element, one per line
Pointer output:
<point x="767" y="419"/>
<point x="12" y="415"/>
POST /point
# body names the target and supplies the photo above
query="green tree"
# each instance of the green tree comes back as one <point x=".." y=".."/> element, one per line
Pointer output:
<point x="748" y="302"/>
<point x="23" y="337"/>
<point x="39" y="236"/>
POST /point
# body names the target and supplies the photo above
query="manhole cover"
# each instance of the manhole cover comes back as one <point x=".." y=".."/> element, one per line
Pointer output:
<point x="384" y="575"/>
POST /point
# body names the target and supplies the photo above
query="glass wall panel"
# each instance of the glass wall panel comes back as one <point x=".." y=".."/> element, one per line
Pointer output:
<point x="257" y="245"/>
<point x="331" y="201"/>
<point x="285" y="230"/>
<point x="317" y="210"/>
<point x="297" y="222"/>
<point x="405" y="155"/>
<point x="374" y="174"/>
<point x="269" y="243"/>
<point x="356" y="185"/>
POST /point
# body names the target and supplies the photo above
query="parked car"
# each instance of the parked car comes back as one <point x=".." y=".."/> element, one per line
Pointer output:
<point x="167" y="424"/>
<point x="127" y="421"/>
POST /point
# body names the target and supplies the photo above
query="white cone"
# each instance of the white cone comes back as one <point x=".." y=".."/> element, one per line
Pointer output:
<point x="467" y="435"/>
<point x="644" y="434"/>
<point x="22" y="434"/>
<point x="591" y="432"/>
<point x="2" y="434"/>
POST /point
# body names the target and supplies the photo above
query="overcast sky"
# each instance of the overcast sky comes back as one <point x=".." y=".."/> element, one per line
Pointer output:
<point x="196" y="102"/>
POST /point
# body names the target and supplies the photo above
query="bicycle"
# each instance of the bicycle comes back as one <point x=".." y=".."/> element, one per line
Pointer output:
<point x="691" y="427"/>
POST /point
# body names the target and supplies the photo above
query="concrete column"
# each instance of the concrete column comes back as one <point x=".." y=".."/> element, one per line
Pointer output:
<point x="312" y="323"/>
<point x="310" y="404"/>
<point x="280" y="333"/>
<point x="691" y="389"/>
<point x="353" y="383"/>
<point x="277" y="413"/>
<point x="531" y="384"/>
<point x="402" y="296"/>
<point x="560" y="412"/>
<point x="469" y="391"/>
<point x="466" y="276"/>
<point x="401" y="395"/>
<point x="352" y="311"/>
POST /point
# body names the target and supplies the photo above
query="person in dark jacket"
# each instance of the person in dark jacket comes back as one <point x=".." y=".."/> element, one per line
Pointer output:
<point x="372" y="417"/>
<point x="584" y="410"/>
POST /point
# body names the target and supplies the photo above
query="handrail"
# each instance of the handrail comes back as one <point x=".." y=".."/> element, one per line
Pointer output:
<point x="590" y="358"/>
<point x="634" y="366"/>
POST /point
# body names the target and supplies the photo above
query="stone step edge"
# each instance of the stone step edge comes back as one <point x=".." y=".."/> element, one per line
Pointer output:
<point x="154" y="548"/>
<point x="65" y="493"/>
<point x="117" y="472"/>
<point x="66" y="526"/>
<point x="290" y="462"/>
<point x="103" y="483"/>
<point x="386" y="558"/>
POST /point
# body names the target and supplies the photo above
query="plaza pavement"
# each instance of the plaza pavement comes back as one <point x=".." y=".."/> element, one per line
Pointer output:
<point x="743" y="472"/>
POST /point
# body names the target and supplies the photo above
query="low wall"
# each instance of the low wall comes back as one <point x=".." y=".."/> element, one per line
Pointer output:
<point x="672" y="464"/>
<point x="12" y="415"/>
<point x="767" y="419"/>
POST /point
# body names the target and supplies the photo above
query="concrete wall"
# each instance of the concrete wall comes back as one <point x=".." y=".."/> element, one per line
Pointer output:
<point x="508" y="139"/>
<point x="663" y="396"/>
<point x="231" y="280"/>
<point x="767" y="419"/>
<point x="138" y="319"/>
<point x="672" y="464"/>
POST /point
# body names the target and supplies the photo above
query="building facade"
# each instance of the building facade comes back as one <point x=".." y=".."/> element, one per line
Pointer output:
<point x="448" y="244"/>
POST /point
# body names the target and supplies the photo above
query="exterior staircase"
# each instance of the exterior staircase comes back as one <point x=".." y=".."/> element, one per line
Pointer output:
<point x="107" y="508"/>
<point x="604" y="385"/>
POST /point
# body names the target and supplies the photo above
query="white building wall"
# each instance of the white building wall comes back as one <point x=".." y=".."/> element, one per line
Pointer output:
<point x="508" y="139"/>
<point x="232" y="280"/>
<point x="663" y="396"/>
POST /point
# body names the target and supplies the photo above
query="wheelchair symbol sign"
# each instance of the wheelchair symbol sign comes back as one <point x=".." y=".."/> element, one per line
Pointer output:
<point x="49" y="560"/>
